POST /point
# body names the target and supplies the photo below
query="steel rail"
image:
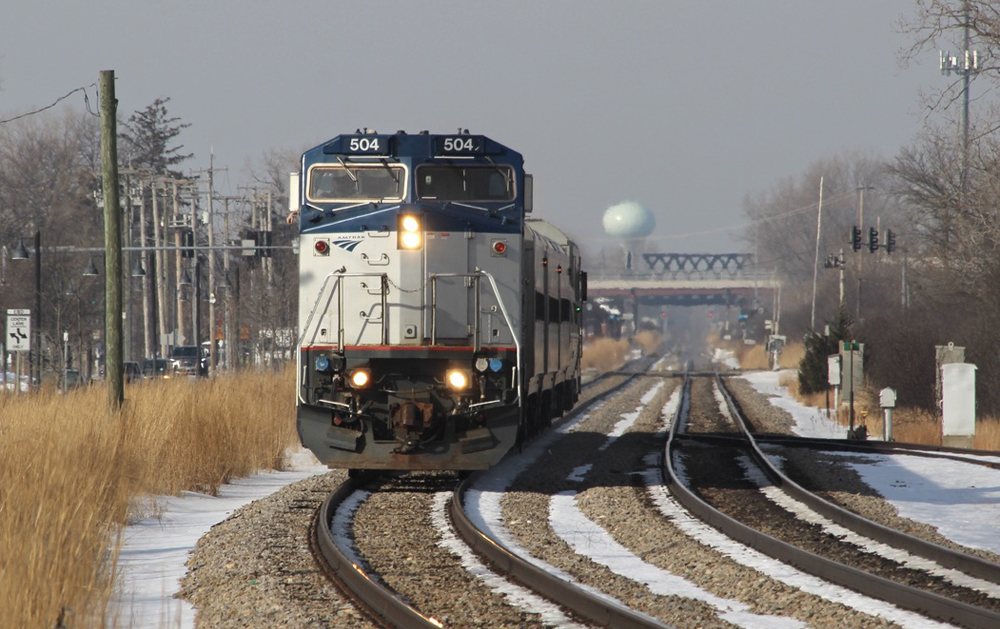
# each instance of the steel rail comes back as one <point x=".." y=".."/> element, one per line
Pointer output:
<point x="964" y="455"/>
<point x="379" y="600"/>
<point x="903" y="596"/>
<point x="947" y="557"/>
<point x="595" y="609"/>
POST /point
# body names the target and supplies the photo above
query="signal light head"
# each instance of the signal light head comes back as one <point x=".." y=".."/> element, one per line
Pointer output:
<point x="360" y="378"/>
<point x="410" y="234"/>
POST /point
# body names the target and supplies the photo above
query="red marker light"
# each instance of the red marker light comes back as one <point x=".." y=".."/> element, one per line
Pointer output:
<point x="499" y="247"/>
<point x="322" y="247"/>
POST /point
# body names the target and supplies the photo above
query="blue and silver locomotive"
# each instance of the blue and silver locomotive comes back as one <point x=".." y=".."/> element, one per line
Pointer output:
<point x="438" y="326"/>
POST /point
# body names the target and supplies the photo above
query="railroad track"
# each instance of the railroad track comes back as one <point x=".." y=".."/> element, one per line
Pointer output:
<point x="624" y="498"/>
<point x="385" y="606"/>
<point x="698" y="450"/>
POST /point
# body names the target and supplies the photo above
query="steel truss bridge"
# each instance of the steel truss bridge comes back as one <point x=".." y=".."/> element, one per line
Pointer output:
<point x="688" y="279"/>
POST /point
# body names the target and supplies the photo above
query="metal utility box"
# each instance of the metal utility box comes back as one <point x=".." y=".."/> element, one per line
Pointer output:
<point x="833" y="370"/>
<point x="852" y="368"/>
<point x="958" y="404"/>
<point x="945" y="355"/>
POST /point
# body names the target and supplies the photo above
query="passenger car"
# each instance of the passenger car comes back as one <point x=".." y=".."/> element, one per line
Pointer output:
<point x="133" y="371"/>
<point x="188" y="360"/>
<point x="158" y="368"/>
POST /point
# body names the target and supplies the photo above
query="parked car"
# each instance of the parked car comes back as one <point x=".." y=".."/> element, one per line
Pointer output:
<point x="158" y="368"/>
<point x="8" y="380"/>
<point x="133" y="371"/>
<point x="189" y="360"/>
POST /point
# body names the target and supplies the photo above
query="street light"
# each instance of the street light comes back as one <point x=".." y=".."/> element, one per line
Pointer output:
<point x="20" y="253"/>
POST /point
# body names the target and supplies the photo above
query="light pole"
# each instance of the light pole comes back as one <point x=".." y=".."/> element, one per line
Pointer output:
<point x="837" y="262"/>
<point x="20" y="253"/>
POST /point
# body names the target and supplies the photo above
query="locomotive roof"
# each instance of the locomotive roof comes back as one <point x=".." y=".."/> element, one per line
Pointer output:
<point x="367" y="144"/>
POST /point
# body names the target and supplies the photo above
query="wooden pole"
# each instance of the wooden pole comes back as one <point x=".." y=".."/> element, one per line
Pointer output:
<point x="112" y="242"/>
<point x="819" y="224"/>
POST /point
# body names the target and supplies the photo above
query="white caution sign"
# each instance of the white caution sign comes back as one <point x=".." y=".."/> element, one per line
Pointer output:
<point x="18" y="330"/>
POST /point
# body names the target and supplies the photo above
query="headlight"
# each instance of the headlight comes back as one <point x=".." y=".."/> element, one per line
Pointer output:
<point x="410" y="234"/>
<point x="360" y="378"/>
<point x="457" y="379"/>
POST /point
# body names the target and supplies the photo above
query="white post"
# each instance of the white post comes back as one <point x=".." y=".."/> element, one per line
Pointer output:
<point x="65" y="386"/>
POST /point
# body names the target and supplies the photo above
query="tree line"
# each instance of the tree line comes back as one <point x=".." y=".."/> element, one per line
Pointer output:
<point x="50" y="185"/>
<point x="940" y="195"/>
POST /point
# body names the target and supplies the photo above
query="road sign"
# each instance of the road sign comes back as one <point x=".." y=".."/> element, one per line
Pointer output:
<point x="18" y="330"/>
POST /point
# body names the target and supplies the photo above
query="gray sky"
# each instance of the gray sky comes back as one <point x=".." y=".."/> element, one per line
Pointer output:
<point x="683" y="107"/>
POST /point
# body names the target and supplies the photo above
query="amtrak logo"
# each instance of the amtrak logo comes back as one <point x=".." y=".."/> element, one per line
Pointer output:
<point x="347" y="245"/>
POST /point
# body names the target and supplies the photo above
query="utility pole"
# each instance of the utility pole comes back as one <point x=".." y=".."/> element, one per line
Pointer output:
<point x="964" y="66"/>
<point x="112" y="242"/>
<point x="159" y="274"/>
<point x="177" y="223"/>
<point x="148" y="302"/>
<point x="213" y="350"/>
<point x="861" y="223"/>
<point x="819" y="223"/>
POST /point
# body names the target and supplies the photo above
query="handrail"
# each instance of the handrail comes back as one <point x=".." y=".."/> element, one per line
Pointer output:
<point x="383" y="278"/>
<point x="477" y="275"/>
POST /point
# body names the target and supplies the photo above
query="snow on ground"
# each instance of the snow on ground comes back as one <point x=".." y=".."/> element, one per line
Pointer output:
<point x="962" y="505"/>
<point x="155" y="549"/>
<point x="960" y="500"/>
<point x="809" y="421"/>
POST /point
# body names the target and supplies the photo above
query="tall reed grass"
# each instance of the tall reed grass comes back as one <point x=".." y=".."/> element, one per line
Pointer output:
<point x="71" y="477"/>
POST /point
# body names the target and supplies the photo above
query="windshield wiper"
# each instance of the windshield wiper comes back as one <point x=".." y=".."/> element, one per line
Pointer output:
<point x="347" y="169"/>
<point x="392" y="171"/>
<point x="502" y="171"/>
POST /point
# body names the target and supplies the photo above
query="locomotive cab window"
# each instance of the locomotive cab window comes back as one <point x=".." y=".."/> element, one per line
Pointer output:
<point x="465" y="183"/>
<point x="368" y="182"/>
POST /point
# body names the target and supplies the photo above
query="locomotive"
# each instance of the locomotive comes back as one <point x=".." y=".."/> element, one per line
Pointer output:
<point x="438" y="325"/>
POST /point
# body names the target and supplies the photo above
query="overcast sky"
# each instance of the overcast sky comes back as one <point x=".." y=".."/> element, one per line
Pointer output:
<point x="683" y="107"/>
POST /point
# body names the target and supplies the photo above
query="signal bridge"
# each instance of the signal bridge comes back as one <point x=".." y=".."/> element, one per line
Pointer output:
<point x="689" y="279"/>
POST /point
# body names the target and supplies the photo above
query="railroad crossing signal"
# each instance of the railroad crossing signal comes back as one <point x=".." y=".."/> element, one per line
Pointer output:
<point x="18" y="330"/>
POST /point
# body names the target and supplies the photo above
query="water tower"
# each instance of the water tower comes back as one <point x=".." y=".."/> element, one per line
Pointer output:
<point x="628" y="222"/>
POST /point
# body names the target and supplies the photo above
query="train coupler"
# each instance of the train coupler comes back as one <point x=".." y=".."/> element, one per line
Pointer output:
<point x="409" y="421"/>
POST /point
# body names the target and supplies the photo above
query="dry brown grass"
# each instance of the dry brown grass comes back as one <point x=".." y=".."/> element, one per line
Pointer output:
<point x="70" y="477"/>
<point x="604" y="354"/>
<point x="649" y="341"/>
<point x="792" y="355"/>
<point x="751" y="356"/>
<point x="755" y="356"/>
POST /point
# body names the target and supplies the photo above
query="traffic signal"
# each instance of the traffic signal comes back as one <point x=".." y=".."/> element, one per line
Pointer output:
<point x="872" y="239"/>
<point x="890" y="241"/>
<point x="187" y="240"/>
<point x="856" y="238"/>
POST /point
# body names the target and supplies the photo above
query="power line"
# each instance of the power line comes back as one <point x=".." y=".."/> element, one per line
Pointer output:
<point x="86" y="101"/>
